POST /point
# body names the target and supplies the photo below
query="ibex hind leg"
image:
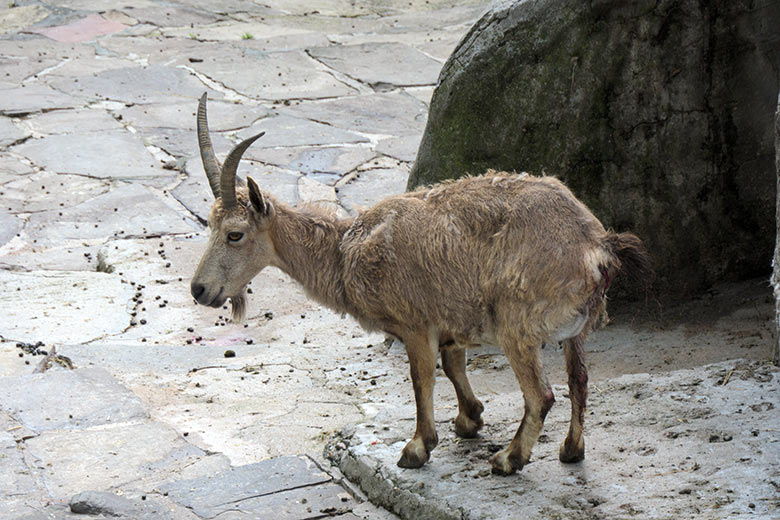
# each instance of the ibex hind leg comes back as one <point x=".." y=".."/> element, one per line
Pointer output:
<point x="422" y="364"/>
<point x="469" y="419"/>
<point x="527" y="365"/>
<point x="573" y="448"/>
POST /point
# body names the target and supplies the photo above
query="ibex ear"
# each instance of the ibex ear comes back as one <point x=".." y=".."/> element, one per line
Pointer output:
<point x="262" y="206"/>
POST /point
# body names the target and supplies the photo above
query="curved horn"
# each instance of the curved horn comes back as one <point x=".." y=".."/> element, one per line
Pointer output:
<point x="210" y="162"/>
<point x="228" y="179"/>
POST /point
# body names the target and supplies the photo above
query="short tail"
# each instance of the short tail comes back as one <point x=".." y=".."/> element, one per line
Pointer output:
<point x="633" y="257"/>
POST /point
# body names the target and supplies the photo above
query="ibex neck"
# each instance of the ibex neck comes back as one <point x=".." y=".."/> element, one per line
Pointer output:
<point x="307" y="244"/>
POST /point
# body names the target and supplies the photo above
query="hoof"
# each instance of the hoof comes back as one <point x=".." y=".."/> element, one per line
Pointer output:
<point x="414" y="455"/>
<point x="570" y="454"/>
<point x="503" y="464"/>
<point x="467" y="427"/>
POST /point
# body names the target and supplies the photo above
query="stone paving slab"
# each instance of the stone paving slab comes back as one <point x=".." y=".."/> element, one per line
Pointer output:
<point x="109" y="154"/>
<point x="34" y="193"/>
<point x="56" y="306"/>
<point x="19" y="101"/>
<point x="385" y="113"/>
<point x="126" y="211"/>
<point x="72" y="400"/>
<point x="679" y="461"/>
<point x="380" y="65"/>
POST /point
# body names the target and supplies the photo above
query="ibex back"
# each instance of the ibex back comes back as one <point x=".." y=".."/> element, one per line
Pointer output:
<point x="503" y="258"/>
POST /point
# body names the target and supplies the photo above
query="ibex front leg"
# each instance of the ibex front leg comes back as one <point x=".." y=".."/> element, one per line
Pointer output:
<point x="422" y="354"/>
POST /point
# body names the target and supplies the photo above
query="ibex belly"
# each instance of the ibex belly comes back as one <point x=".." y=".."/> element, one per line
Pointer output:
<point x="571" y="329"/>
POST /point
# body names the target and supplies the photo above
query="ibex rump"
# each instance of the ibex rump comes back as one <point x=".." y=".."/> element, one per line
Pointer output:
<point x="506" y="259"/>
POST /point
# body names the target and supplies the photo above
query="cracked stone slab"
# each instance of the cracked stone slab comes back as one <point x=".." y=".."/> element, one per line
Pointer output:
<point x="181" y="115"/>
<point x="14" y="18"/>
<point x="381" y="65"/>
<point x="55" y="308"/>
<point x="127" y="211"/>
<point x="307" y="503"/>
<point x="152" y="84"/>
<point x="35" y="192"/>
<point x="308" y="160"/>
<point x="402" y="148"/>
<point x="10" y="132"/>
<point x="388" y="114"/>
<point x="69" y="399"/>
<point x="243" y="488"/>
<point x="10" y="225"/>
<point x="652" y="436"/>
<point x="232" y="30"/>
<point x="110" y="457"/>
<point x="111" y="154"/>
<point x="27" y="99"/>
<point x="371" y="186"/>
<point x="287" y="131"/>
<point x="11" y="168"/>
<point x="276" y="76"/>
<point x="181" y="143"/>
<point x="172" y="15"/>
<point x="81" y="30"/>
<point x="66" y="121"/>
<point x="319" y="194"/>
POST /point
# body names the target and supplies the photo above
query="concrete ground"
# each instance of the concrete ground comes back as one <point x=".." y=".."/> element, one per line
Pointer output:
<point x="173" y="412"/>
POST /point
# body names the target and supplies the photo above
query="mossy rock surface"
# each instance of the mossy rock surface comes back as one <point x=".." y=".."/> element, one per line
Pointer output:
<point x="658" y="114"/>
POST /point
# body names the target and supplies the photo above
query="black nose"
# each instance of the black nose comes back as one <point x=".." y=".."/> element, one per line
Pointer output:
<point x="197" y="290"/>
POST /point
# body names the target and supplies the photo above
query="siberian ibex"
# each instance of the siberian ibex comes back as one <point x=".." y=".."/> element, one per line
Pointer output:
<point x="503" y="258"/>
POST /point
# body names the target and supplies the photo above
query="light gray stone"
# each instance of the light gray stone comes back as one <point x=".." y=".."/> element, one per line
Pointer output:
<point x="10" y="133"/>
<point x="402" y="148"/>
<point x="652" y="437"/>
<point x="105" y="458"/>
<point x="101" y="503"/>
<point x="152" y="84"/>
<point x="310" y="502"/>
<point x="386" y="114"/>
<point x="14" y="18"/>
<point x="79" y="121"/>
<point x="213" y="496"/>
<point x="113" y="154"/>
<point x="171" y="15"/>
<point x="69" y="399"/>
<point x="37" y="191"/>
<point x="10" y="225"/>
<point x="66" y="307"/>
<point x="273" y="76"/>
<point x="181" y="143"/>
<point x="383" y="66"/>
<point x="222" y="116"/>
<point x="287" y="131"/>
<point x="371" y="186"/>
<point x="28" y="99"/>
<point x="127" y="211"/>
<point x="11" y="167"/>
<point x="311" y="160"/>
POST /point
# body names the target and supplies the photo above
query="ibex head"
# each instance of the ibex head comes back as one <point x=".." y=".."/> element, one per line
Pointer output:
<point x="239" y="246"/>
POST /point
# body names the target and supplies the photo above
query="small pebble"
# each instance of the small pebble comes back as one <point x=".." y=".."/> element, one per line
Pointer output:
<point x="230" y="353"/>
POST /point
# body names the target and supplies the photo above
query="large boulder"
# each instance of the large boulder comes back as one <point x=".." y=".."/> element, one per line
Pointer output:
<point x="776" y="262"/>
<point x="658" y="114"/>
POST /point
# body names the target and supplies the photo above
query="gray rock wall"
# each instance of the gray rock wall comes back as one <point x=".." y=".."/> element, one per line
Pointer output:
<point x="776" y="262"/>
<point x="658" y="114"/>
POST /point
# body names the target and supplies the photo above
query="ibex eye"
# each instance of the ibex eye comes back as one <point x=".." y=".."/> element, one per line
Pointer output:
<point x="235" y="236"/>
